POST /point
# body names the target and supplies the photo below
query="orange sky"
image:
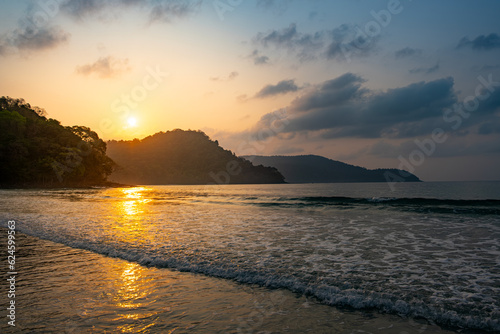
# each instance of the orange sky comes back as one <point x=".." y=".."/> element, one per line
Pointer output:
<point x="193" y="65"/>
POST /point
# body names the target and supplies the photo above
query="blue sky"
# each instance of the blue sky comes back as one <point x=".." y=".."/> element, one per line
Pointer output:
<point x="410" y="84"/>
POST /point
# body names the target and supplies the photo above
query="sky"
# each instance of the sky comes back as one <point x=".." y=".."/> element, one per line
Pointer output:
<point x="411" y="84"/>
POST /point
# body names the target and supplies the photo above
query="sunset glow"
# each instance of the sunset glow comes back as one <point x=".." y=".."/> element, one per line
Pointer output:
<point x="129" y="69"/>
<point x="132" y="122"/>
<point x="267" y="166"/>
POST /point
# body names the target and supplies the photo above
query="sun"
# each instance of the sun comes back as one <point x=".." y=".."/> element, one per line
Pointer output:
<point x="132" y="122"/>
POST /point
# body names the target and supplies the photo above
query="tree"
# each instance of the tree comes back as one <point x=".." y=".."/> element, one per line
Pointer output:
<point x="36" y="151"/>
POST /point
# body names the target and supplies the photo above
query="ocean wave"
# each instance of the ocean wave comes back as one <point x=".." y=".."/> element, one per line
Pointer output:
<point x="373" y="252"/>
<point x="424" y="205"/>
<point x="409" y="204"/>
<point x="385" y="302"/>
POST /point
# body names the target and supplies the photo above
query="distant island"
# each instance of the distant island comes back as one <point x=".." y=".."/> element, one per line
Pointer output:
<point x="318" y="169"/>
<point x="183" y="157"/>
<point x="38" y="152"/>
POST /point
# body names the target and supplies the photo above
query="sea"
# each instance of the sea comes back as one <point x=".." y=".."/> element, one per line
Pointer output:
<point x="288" y="258"/>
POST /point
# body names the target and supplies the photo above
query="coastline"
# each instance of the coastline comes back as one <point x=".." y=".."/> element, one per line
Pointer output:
<point x="69" y="290"/>
<point x="106" y="184"/>
<point x="245" y="234"/>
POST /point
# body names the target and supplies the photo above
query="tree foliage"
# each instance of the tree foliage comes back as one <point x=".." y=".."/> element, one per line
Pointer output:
<point x="318" y="169"/>
<point x="183" y="157"/>
<point x="37" y="151"/>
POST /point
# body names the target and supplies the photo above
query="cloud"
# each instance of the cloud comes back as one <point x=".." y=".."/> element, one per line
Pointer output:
<point x="342" y="107"/>
<point x="242" y="98"/>
<point x="313" y="15"/>
<point x="481" y="42"/>
<point x="105" y="67"/>
<point x="407" y="52"/>
<point x="41" y="39"/>
<point x="259" y="59"/>
<point x="304" y="46"/>
<point x="29" y="39"/>
<point x="233" y="75"/>
<point x="159" y="10"/>
<point x="286" y="37"/>
<point x="491" y="104"/>
<point x="282" y="87"/>
<point x="425" y="70"/>
<point x="331" y="92"/>
<point x="167" y="11"/>
<point x="36" y="33"/>
<point x="82" y="8"/>
<point x="340" y="43"/>
<point x="348" y="40"/>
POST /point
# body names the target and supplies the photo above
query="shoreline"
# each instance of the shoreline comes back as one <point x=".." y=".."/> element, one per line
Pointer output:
<point x="73" y="290"/>
<point x="124" y="185"/>
<point x="107" y="184"/>
<point x="245" y="234"/>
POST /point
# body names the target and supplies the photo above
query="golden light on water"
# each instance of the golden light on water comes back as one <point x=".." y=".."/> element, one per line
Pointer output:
<point x="135" y="192"/>
<point x="133" y="295"/>
<point x="134" y="201"/>
<point x="130" y="211"/>
<point x="129" y="291"/>
<point x="132" y="286"/>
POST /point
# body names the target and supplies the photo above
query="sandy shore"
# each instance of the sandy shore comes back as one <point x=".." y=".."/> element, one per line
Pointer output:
<point x="64" y="290"/>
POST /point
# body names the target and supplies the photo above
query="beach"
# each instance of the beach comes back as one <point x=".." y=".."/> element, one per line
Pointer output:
<point x="66" y="290"/>
<point x="269" y="166"/>
<point x="254" y="259"/>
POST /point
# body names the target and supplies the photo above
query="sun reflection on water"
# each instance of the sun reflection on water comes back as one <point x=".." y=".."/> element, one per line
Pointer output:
<point x="129" y="212"/>
<point x="134" y="201"/>
<point x="132" y="298"/>
<point x="132" y="286"/>
<point x="129" y="292"/>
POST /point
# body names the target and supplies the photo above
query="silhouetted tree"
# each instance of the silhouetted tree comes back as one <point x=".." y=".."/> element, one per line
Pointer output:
<point x="36" y="151"/>
<point x="183" y="157"/>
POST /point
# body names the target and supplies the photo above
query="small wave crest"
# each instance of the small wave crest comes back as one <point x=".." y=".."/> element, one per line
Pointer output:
<point x="330" y="295"/>
<point x="425" y="205"/>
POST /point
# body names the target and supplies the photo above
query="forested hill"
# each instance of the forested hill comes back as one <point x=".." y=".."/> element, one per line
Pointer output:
<point x="318" y="169"/>
<point x="183" y="157"/>
<point x="40" y="152"/>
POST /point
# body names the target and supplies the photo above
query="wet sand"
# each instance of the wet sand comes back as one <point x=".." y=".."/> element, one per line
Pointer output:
<point x="64" y="290"/>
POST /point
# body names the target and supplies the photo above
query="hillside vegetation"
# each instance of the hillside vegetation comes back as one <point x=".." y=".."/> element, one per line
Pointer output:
<point x="183" y="157"/>
<point x="36" y="151"/>
<point x="318" y="169"/>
